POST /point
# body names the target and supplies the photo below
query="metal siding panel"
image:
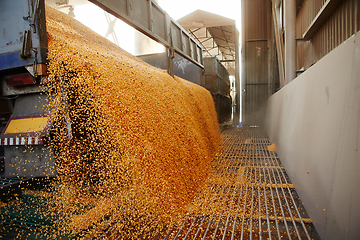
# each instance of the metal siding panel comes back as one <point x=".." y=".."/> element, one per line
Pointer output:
<point x="256" y="58"/>
<point x="255" y="104"/>
<point x="182" y="67"/>
<point x="140" y="13"/>
<point x="256" y="19"/>
<point x="16" y="25"/>
<point x="185" y="43"/>
<point x="199" y="54"/>
<point x="159" y="22"/>
<point x="176" y="35"/>
<point x="342" y="24"/>
<point x="210" y="83"/>
<point x="193" y="49"/>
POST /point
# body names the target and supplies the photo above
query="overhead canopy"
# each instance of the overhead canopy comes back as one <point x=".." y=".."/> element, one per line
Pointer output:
<point x="216" y="34"/>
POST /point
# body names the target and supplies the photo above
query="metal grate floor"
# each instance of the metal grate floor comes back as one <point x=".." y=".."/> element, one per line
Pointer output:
<point x="8" y="181"/>
<point x="249" y="197"/>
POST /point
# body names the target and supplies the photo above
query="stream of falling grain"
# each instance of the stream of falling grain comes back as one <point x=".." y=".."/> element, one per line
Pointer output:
<point x="132" y="145"/>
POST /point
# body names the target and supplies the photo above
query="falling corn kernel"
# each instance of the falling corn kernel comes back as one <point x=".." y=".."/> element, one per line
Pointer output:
<point x="271" y="148"/>
<point x="129" y="140"/>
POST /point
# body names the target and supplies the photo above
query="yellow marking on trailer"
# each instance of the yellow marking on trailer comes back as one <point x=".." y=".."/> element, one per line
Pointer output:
<point x="26" y="125"/>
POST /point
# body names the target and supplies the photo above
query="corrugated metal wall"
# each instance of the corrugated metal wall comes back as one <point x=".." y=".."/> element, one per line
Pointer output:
<point x="259" y="54"/>
<point x="256" y="77"/>
<point x="343" y="23"/>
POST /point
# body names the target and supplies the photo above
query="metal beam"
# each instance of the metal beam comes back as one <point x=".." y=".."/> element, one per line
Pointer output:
<point x="147" y="17"/>
<point x="238" y="79"/>
<point x="324" y="13"/>
<point x="270" y="45"/>
<point x="290" y="42"/>
<point x="256" y="40"/>
<point x="256" y="84"/>
<point x="279" y="45"/>
<point x="227" y="60"/>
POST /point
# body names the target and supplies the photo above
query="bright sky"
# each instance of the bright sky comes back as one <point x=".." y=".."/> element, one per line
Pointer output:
<point x="94" y="17"/>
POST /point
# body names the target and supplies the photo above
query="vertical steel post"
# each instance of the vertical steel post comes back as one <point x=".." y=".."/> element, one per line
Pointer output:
<point x="243" y="71"/>
<point x="290" y="42"/>
<point x="270" y="49"/>
<point x="236" y="118"/>
<point x="279" y="42"/>
<point x="170" y="54"/>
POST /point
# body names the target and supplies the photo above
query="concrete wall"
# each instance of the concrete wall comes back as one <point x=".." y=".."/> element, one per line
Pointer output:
<point x="315" y="123"/>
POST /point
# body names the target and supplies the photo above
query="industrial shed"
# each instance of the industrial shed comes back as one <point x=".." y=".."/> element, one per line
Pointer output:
<point x="286" y="90"/>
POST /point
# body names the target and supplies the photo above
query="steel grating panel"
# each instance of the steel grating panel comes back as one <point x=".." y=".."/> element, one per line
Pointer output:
<point x="249" y="196"/>
<point x="7" y="182"/>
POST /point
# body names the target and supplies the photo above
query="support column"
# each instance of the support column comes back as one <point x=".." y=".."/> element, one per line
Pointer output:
<point x="290" y="42"/>
<point x="236" y="117"/>
<point x="243" y="68"/>
<point x="170" y="54"/>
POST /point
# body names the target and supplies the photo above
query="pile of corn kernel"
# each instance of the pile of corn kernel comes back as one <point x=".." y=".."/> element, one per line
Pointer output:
<point x="132" y="144"/>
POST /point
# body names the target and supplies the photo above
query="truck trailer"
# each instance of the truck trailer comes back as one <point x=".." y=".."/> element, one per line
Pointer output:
<point x="23" y="117"/>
